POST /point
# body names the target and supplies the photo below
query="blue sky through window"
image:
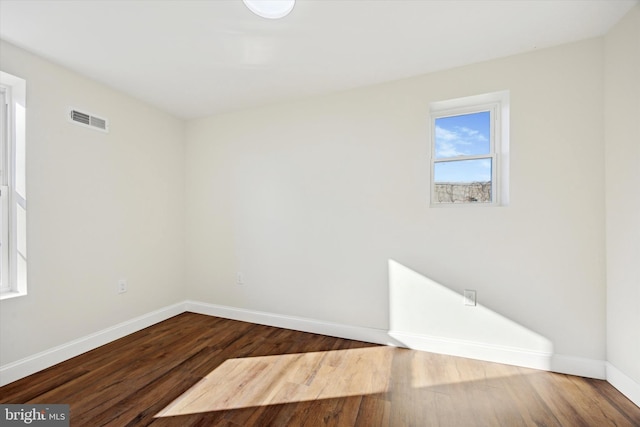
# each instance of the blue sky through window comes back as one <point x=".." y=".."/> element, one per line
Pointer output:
<point x="463" y="135"/>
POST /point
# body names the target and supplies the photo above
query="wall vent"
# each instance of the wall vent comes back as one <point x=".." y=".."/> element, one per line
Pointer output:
<point x="88" y="120"/>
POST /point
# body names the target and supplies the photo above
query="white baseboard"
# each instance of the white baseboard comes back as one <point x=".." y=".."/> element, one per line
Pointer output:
<point x="360" y="333"/>
<point x="45" y="359"/>
<point x="473" y="350"/>
<point x="590" y="368"/>
<point x="625" y="384"/>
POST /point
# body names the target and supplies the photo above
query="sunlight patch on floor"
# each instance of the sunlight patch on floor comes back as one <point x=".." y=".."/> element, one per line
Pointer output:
<point x="270" y="380"/>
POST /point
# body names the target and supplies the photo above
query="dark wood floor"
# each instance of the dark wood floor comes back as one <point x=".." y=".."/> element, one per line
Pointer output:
<point x="195" y="370"/>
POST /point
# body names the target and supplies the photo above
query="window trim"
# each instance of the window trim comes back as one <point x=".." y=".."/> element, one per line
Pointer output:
<point x="5" y="279"/>
<point x="497" y="104"/>
<point x="14" y="89"/>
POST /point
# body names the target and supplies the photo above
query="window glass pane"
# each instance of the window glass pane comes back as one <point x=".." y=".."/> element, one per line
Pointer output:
<point x="463" y="135"/>
<point x="19" y="162"/>
<point x="463" y="181"/>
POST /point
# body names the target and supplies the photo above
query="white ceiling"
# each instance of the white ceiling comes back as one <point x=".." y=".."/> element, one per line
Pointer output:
<point x="197" y="58"/>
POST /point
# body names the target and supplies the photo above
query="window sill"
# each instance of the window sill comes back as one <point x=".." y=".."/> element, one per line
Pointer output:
<point x="466" y="205"/>
<point x="11" y="294"/>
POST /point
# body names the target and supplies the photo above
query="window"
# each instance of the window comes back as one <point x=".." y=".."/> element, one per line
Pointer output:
<point x="13" y="205"/>
<point x="469" y="150"/>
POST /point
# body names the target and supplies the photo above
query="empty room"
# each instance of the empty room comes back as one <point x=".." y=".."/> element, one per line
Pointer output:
<point x="320" y="212"/>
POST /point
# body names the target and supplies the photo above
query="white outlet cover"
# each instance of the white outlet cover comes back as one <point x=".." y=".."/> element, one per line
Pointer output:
<point x="122" y="286"/>
<point x="469" y="297"/>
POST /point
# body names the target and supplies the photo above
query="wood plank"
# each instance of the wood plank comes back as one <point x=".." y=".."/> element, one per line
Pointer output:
<point x="196" y="370"/>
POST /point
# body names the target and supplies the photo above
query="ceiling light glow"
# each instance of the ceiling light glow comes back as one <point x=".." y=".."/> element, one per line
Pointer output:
<point x="270" y="9"/>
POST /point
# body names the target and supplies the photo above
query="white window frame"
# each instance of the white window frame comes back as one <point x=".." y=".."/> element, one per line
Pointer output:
<point x="13" y="253"/>
<point x="497" y="104"/>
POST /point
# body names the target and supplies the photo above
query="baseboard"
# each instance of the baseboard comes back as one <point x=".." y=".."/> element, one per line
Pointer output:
<point x="37" y="362"/>
<point x="473" y="350"/>
<point x="590" y="368"/>
<point x="359" y="333"/>
<point x="625" y="384"/>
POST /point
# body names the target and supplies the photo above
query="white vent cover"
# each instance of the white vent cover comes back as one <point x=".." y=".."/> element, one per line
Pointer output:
<point x="88" y="120"/>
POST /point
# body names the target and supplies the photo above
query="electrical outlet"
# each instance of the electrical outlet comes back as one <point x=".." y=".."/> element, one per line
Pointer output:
<point x="122" y="286"/>
<point x="469" y="297"/>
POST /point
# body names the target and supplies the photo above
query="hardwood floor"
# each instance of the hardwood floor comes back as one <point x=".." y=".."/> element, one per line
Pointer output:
<point x="195" y="370"/>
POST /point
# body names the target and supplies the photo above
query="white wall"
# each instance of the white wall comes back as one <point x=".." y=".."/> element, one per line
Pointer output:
<point x="100" y="207"/>
<point x="622" y="135"/>
<point x="311" y="200"/>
